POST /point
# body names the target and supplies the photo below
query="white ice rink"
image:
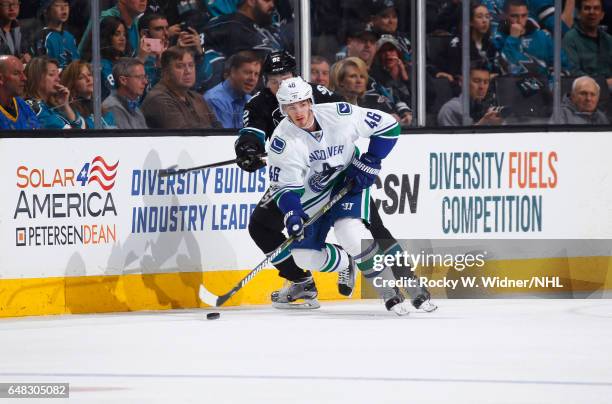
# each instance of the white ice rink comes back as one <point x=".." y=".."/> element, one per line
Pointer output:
<point x="469" y="351"/>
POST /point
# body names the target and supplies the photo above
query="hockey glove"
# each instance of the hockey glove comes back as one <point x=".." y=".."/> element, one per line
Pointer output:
<point x="294" y="222"/>
<point x="363" y="172"/>
<point x="248" y="147"/>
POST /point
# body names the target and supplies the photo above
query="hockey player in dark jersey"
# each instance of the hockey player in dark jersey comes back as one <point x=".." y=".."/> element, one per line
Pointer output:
<point x="261" y="116"/>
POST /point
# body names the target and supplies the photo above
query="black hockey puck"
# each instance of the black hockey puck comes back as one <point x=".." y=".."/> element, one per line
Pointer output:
<point x="213" y="316"/>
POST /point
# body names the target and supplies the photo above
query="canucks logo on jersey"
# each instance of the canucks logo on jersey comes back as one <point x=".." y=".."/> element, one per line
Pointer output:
<point x="344" y="108"/>
<point x="319" y="180"/>
<point x="277" y="145"/>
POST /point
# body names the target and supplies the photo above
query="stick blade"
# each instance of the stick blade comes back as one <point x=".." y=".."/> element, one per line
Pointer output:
<point x="207" y="297"/>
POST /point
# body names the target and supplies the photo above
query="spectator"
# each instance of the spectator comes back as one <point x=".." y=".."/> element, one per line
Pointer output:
<point x="171" y="104"/>
<point x="113" y="45"/>
<point x="53" y="40"/>
<point x="348" y="79"/>
<point x="451" y="113"/>
<point x="360" y="42"/>
<point x="128" y="11"/>
<point x="319" y="70"/>
<point x="385" y="22"/>
<point x="482" y="49"/>
<point x="205" y="66"/>
<point x="390" y="71"/>
<point x="78" y="79"/>
<point x="541" y="11"/>
<point x="129" y="74"/>
<point x="228" y="98"/>
<point x="15" y="112"/>
<point x="12" y="41"/>
<point x="580" y="107"/>
<point x="524" y="47"/>
<point x="250" y="28"/>
<point x="156" y="27"/>
<point x="588" y="46"/>
<point x="48" y="98"/>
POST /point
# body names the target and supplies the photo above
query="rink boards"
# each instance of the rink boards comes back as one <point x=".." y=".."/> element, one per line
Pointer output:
<point x="88" y="225"/>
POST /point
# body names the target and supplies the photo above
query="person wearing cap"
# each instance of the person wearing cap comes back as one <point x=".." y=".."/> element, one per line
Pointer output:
<point x="53" y="40"/>
<point x="390" y="71"/>
<point x="385" y="22"/>
<point x="360" y="42"/>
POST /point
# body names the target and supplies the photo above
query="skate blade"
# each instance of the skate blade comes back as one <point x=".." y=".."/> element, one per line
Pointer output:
<point x="401" y="309"/>
<point x="297" y="305"/>
<point x="428" y="307"/>
<point x="345" y="291"/>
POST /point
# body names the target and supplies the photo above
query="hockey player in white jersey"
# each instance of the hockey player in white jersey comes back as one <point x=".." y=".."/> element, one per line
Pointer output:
<point x="311" y="155"/>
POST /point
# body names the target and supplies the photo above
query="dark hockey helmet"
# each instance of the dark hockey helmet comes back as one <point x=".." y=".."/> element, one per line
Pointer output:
<point x="279" y="62"/>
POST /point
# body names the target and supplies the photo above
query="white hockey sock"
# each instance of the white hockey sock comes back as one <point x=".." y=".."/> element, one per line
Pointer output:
<point x="329" y="259"/>
<point x="337" y="259"/>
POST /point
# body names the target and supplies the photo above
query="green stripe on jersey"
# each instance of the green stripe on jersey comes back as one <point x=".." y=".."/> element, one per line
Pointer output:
<point x="390" y="133"/>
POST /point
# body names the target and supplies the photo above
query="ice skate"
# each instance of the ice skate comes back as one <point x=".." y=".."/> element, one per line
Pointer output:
<point x="301" y="294"/>
<point x="398" y="305"/>
<point x="346" y="279"/>
<point x="423" y="302"/>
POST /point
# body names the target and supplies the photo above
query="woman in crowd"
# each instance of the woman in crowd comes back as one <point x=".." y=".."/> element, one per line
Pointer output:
<point x="49" y="99"/>
<point x="113" y="45"/>
<point x="482" y="49"/>
<point x="349" y="78"/>
<point x="78" y="78"/>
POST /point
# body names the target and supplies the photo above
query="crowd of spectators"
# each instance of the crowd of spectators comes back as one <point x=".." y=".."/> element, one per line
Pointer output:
<point x="196" y="63"/>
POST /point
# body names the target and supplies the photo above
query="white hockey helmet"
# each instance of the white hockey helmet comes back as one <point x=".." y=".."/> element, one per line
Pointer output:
<point x="292" y="90"/>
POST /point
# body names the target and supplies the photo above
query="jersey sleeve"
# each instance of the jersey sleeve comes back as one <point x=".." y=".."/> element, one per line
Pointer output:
<point x="254" y="119"/>
<point x="322" y="94"/>
<point x="287" y="170"/>
<point x="382" y="129"/>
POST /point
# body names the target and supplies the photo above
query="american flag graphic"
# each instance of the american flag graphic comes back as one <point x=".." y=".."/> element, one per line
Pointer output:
<point x="102" y="173"/>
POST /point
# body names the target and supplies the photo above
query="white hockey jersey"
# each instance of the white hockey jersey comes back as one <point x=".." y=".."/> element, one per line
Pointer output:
<point x="311" y="163"/>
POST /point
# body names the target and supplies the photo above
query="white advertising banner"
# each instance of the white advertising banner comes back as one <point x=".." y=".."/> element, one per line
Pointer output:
<point x="511" y="185"/>
<point x="96" y="206"/>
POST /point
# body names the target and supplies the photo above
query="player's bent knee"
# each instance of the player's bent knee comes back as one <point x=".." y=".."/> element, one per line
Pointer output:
<point x="350" y="232"/>
<point x="308" y="259"/>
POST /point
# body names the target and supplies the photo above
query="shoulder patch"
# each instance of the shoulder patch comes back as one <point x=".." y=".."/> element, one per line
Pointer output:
<point x="277" y="145"/>
<point x="344" y="108"/>
<point x="34" y="105"/>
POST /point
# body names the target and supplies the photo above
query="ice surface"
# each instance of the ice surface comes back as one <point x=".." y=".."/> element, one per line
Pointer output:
<point x="469" y="351"/>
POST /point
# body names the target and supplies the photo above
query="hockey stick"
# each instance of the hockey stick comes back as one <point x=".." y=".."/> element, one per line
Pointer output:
<point x="216" y="301"/>
<point x="173" y="171"/>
